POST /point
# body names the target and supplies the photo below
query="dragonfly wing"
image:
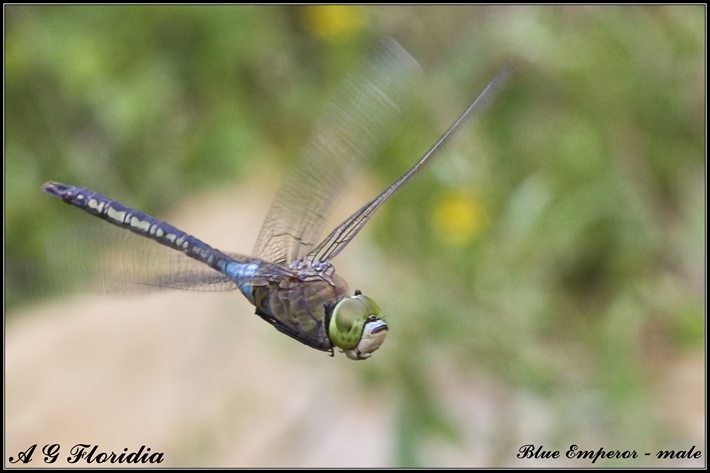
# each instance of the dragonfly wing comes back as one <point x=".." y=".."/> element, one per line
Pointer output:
<point x="188" y="274"/>
<point x="105" y="258"/>
<point x="350" y="128"/>
<point x="345" y="232"/>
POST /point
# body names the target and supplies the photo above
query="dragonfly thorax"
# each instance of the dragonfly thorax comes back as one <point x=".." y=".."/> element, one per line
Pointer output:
<point x="353" y="324"/>
<point x="306" y="266"/>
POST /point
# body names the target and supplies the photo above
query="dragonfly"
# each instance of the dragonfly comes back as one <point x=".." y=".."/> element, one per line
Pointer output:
<point x="290" y="278"/>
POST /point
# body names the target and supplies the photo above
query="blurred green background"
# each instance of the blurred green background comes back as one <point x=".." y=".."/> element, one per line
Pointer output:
<point x="557" y="250"/>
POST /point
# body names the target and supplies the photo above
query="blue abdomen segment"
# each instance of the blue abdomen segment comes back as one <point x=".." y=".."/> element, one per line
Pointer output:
<point x="242" y="274"/>
<point x="140" y="223"/>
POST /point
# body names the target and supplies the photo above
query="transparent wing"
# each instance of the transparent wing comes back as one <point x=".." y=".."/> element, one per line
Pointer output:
<point x="345" y="232"/>
<point x="105" y="258"/>
<point x="352" y="123"/>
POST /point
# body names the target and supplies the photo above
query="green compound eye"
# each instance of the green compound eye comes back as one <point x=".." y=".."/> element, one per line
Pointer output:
<point x="357" y="327"/>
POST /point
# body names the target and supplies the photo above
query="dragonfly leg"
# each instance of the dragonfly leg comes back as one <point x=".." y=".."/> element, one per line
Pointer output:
<point x="328" y="312"/>
<point x="287" y="331"/>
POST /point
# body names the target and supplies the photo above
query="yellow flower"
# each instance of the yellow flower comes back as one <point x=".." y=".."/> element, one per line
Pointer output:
<point x="327" y="21"/>
<point x="459" y="217"/>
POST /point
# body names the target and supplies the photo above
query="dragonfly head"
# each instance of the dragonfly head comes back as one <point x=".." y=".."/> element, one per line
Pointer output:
<point x="356" y="326"/>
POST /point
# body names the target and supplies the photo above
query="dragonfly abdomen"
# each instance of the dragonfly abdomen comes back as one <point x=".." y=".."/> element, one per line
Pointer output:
<point x="137" y="222"/>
